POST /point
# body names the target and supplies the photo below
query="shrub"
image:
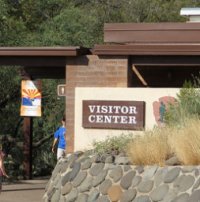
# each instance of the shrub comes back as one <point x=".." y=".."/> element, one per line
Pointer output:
<point x="155" y="146"/>
<point x="151" y="148"/>
<point x="185" y="142"/>
<point x="117" y="143"/>
<point x="187" y="105"/>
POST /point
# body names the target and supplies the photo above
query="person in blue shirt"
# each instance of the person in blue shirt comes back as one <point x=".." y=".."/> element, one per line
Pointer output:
<point x="59" y="136"/>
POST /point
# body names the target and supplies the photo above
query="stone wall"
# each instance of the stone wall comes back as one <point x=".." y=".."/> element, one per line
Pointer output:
<point x="86" y="177"/>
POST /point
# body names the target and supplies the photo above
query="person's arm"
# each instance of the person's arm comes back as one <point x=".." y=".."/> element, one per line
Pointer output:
<point x="54" y="143"/>
<point x="2" y="167"/>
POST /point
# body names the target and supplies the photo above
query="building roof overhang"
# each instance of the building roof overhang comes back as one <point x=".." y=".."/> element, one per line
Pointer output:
<point x="41" y="62"/>
<point x="43" y="51"/>
<point x="148" y="49"/>
<point x="150" y="39"/>
<point x="149" y="54"/>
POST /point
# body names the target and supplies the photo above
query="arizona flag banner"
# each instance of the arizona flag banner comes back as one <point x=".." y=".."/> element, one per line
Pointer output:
<point x="31" y="98"/>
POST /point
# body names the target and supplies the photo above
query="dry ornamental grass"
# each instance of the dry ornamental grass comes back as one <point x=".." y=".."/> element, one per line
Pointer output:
<point x="155" y="146"/>
<point x="185" y="142"/>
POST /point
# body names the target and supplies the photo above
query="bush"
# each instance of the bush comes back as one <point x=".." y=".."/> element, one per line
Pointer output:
<point x="151" y="148"/>
<point x="185" y="142"/>
<point x="156" y="146"/>
<point x="187" y="105"/>
<point x="117" y="144"/>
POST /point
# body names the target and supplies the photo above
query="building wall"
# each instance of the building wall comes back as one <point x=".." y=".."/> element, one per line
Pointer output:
<point x="84" y="137"/>
<point x="91" y="71"/>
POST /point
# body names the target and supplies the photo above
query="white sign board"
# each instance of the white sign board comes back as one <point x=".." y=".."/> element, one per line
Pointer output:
<point x="156" y="100"/>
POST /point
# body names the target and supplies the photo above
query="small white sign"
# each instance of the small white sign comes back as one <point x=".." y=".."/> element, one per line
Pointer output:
<point x="61" y="90"/>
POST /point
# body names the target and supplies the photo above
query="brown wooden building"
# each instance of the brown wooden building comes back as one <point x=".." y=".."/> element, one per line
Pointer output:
<point x="133" y="55"/>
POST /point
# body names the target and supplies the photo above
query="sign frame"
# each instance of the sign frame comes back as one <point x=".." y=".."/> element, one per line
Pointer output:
<point x="61" y="90"/>
<point x="107" y="114"/>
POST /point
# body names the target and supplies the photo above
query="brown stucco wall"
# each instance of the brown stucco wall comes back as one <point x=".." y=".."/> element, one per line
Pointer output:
<point x="91" y="71"/>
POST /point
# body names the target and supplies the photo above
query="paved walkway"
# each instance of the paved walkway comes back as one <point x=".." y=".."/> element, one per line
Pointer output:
<point x="24" y="191"/>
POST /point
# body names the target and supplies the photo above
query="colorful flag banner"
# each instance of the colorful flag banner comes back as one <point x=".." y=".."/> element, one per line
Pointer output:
<point x="31" y="98"/>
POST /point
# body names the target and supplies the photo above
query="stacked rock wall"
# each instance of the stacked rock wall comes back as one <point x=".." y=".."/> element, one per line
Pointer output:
<point x="90" y="178"/>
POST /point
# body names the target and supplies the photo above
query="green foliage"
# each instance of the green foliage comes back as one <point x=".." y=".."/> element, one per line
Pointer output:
<point x="45" y="126"/>
<point x="117" y="143"/>
<point x="77" y="22"/>
<point x="44" y="160"/>
<point x="72" y="26"/>
<point x="187" y="104"/>
<point x="149" y="10"/>
<point x="52" y="113"/>
<point x="9" y="99"/>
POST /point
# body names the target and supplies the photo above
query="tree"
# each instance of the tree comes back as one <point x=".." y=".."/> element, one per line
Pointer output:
<point x="9" y="99"/>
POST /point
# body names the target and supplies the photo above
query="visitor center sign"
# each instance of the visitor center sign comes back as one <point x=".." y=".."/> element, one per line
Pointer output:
<point x="113" y="114"/>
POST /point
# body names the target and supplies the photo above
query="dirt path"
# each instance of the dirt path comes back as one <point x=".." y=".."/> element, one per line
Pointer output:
<point x="24" y="191"/>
